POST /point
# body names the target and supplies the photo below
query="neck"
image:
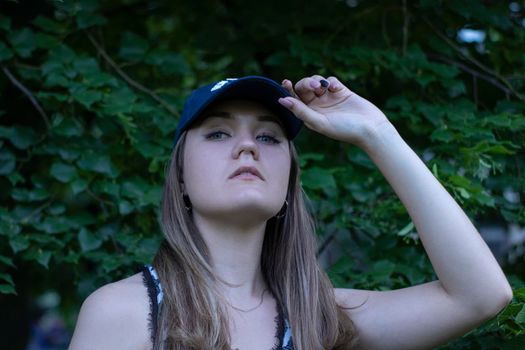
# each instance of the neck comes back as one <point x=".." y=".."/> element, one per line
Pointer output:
<point x="236" y="254"/>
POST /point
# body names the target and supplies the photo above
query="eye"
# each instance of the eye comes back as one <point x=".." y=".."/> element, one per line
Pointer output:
<point x="268" y="139"/>
<point x="216" y="135"/>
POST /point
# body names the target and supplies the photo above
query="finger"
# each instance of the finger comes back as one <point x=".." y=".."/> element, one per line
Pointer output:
<point x="323" y="85"/>
<point x="287" y="84"/>
<point x="311" y="118"/>
<point x="335" y="84"/>
<point x="309" y="88"/>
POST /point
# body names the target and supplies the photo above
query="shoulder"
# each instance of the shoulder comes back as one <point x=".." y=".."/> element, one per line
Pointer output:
<point x="114" y="316"/>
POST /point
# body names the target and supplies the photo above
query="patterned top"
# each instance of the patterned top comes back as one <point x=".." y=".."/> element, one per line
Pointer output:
<point x="155" y="293"/>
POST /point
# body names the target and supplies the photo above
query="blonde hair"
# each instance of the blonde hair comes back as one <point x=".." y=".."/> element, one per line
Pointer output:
<point x="192" y="313"/>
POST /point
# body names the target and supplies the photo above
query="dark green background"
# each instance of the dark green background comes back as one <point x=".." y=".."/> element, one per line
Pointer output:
<point x="91" y="92"/>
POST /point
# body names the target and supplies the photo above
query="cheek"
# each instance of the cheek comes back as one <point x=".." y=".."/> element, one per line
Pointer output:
<point x="280" y="166"/>
<point x="196" y="167"/>
<point x="198" y="171"/>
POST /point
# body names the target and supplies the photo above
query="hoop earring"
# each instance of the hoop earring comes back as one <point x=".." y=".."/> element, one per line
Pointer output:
<point x="282" y="213"/>
<point x="187" y="202"/>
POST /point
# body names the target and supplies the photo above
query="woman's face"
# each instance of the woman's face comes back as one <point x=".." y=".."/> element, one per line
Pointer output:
<point x="237" y="162"/>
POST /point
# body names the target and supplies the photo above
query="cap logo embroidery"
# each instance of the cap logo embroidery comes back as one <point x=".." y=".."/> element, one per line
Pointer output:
<point x="221" y="84"/>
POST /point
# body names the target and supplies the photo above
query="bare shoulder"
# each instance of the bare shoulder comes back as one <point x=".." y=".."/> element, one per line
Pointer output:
<point x="115" y="316"/>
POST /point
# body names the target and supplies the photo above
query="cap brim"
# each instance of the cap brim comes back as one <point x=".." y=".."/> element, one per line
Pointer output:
<point x="259" y="89"/>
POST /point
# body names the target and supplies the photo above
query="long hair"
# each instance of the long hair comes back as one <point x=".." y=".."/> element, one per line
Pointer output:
<point x="192" y="314"/>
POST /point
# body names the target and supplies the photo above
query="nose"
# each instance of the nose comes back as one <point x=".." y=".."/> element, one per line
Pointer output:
<point x="246" y="145"/>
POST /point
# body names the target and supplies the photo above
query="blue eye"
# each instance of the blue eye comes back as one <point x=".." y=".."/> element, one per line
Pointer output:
<point x="216" y="135"/>
<point x="268" y="139"/>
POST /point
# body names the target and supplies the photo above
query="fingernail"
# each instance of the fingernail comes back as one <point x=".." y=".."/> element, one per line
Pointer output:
<point x="285" y="102"/>
<point x="324" y="83"/>
<point x="315" y="84"/>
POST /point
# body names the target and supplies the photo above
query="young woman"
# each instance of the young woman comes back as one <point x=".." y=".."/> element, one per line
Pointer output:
<point x="238" y="270"/>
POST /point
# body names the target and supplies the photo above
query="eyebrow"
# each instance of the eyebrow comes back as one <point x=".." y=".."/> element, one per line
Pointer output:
<point x="226" y="115"/>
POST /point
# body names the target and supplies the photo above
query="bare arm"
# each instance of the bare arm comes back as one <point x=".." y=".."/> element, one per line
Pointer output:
<point x="471" y="286"/>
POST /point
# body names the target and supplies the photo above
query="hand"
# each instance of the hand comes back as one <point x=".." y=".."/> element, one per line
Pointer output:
<point x="330" y="108"/>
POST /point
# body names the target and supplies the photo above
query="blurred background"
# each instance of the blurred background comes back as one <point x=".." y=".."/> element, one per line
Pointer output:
<point x="91" y="93"/>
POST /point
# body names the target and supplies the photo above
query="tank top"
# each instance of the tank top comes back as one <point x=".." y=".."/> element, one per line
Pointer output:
<point x="155" y="294"/>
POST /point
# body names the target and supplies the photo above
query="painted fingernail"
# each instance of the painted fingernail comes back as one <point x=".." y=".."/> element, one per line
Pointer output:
<point x="315" y="84"/>
<point x="285" y="102"/>
<point x="324" y="83"/>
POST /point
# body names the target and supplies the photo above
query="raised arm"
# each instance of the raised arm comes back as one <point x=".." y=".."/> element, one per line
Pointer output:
<point x="471" y="286"/>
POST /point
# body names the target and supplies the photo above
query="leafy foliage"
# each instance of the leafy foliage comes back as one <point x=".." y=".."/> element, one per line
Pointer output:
<point x="91" y="92"/>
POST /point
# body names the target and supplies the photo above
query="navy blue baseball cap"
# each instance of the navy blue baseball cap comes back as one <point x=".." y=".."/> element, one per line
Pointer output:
<point x="255" y="88"/>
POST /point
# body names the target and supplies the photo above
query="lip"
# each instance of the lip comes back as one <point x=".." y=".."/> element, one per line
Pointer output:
<point x="246" y="169"/>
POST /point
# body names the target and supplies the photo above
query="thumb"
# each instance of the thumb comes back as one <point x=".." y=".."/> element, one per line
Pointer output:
<point x="311" y="118"/>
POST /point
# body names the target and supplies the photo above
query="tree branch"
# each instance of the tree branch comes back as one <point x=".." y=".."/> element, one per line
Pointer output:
<point x="128" y="80"/>
<point x="28" y="93"/>
<point x="474" y="61"/>
<point x="474" y="73"/>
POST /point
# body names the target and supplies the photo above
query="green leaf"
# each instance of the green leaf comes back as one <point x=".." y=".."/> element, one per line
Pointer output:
<point x="7" y="289"/>
<point x="442" y="135"/>
<point x="382" y="270"/>
<point x="52" y="224"/>
<point x="45" y="41"/>
<point x="520" y="317"/>
<point x="125" y="207"/>
<point x="5" y="52"/>
<point x="6" y="278"/>
<point x="87" y="97"/>
<point x="519" y="294"/>
<point x="7" y="161"/>
<point x="56" y="80"/>
<point x="29" y="195"/>
<point x="119" y="101"/>
<point x="307" y="157"/>
<point x="463" y="192"/>
<point x="133" y="47"/>
<point x="6" y="261"/>
<point x="318" y="178"/>
<point x="88" y="241"/>
<point x="67" y="126"/>
<point x="20" y="136"/>
<point x="109" y="187"/>
<point x="43" y="257"/>
<point x="49" y="25"/>
<point x="98" y="79"/>
<point x="56" y="209"/>
<point x="22" y="41"/>
<point x="9" y="228"/>
<point x="63" y="172"/>
<point x="61" y="55"/>
<point x="99" y="163"/>
<point x="15" y="178"/>
<point x="18" y="243"/>
<point x="134" y="188"/>
<point x="85" y="65"/>
<point x="86" y="20"/>
<point x="79" y="185"/>
<point x="407" y="229"/>
<point x="168" y="62"/>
